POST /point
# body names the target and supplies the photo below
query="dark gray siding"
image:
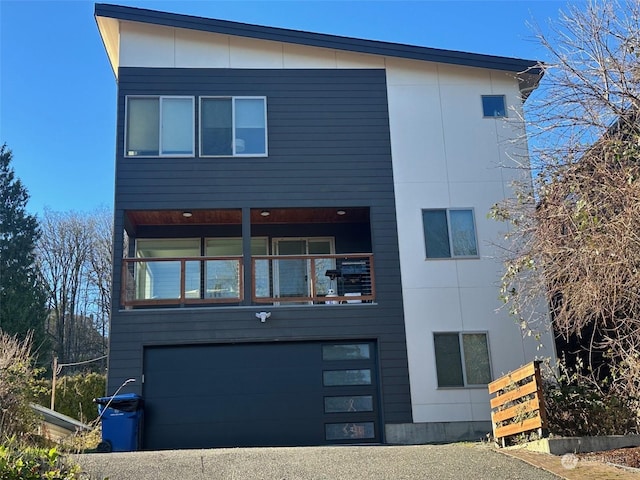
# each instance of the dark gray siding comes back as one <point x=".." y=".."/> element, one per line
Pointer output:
<point x="329" y="146"/>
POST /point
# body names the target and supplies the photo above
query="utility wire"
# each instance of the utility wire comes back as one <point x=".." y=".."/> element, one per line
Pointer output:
<point x="60" y="365"/>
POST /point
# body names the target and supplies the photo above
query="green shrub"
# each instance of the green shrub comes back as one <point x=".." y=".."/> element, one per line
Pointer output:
<point x="29" y="463"/>
<point x="86" y="441"/>
<point x="74" y="394"/>
<point x="577" y="406"/>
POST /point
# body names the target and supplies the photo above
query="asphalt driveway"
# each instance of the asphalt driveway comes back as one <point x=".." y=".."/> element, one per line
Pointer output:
<point x="455" y="461"/>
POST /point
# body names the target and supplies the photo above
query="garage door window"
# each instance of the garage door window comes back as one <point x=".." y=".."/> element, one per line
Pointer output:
<point x="346" y="352"/>
<point x="349" y="431"/>
<point x="334" y="378"/>
<point x="352" y="403"/>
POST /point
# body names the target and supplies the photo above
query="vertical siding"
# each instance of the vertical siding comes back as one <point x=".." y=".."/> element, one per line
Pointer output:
<point x="328" y="134"/>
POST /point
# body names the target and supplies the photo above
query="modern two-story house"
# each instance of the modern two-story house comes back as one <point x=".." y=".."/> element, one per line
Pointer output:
<point x="302" y="254"/>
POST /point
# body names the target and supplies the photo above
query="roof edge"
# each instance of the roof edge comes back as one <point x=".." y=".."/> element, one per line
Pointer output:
<point x="322" y="40"/>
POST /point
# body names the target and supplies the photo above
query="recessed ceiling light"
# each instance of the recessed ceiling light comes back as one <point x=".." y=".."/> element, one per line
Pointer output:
<point x="187" y="214"/>
<point x="265" y="213"/>
<point x="341" y="212"/>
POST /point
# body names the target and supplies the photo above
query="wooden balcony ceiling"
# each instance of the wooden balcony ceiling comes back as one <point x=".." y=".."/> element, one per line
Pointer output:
<point x="234" y="217"/>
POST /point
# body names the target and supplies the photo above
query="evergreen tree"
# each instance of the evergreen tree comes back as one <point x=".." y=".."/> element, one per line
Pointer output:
<point x="22" y="298"/>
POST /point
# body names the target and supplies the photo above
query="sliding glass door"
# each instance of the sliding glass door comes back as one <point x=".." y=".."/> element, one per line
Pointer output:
<point x="292" y="278"/>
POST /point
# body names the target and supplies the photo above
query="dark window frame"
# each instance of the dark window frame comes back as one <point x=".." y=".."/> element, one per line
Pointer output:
<point x="429" y="237"/>
<point x="462" y="360"/>
<point x="489" y="109"/>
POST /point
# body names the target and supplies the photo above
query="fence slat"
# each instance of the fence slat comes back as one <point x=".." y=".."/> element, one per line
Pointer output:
<point x="512" y="377"/>
<point x="516" y="410"/>
<point x="515" y="428"/>
<point x="519" y="392"/>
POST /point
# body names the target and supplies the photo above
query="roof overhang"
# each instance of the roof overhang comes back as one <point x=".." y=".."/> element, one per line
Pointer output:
<point x="108" y="18"/>
<point x="135" y="219"/>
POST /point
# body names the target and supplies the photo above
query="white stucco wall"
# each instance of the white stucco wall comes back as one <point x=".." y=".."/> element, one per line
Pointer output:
<point x="445" y="155"/>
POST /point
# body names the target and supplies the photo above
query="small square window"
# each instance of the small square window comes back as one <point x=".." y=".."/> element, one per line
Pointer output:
<point x="462" y="359"/>
<point x="449" y="233"/>
<point x="493" y="106"/>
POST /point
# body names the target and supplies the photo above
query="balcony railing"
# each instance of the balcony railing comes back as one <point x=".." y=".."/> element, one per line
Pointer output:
<point x="171" y="281"/>
<point x="283" y="279"/>
<point x="318" y="279"/>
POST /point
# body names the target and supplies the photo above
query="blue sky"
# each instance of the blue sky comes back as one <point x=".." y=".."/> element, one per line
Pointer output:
<point x="58" y="93"/>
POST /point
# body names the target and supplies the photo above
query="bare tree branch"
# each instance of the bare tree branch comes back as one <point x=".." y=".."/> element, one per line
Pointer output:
<point x="575" y="234"/>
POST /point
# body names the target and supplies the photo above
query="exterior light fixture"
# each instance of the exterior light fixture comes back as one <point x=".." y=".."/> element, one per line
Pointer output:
<point x="265" y="213"/>
<point x="187" y="214"/>
<point x="341" y="212"/>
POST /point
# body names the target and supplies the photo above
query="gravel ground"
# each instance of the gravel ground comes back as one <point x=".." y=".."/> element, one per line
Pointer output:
<point x="423" y="462"/>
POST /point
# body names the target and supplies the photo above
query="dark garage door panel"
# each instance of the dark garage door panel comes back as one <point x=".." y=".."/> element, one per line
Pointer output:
<point x="234" y="395"/>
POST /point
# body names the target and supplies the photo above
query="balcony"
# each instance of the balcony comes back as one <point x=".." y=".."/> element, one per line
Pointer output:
<point x="275" y="280"/>
<point x="181" y="281"/>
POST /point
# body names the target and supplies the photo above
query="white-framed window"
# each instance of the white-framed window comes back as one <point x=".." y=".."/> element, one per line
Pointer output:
<point x="494" y="106"/>
<point x="159" y="126"/>
<point x="233" y="126"/>
<point x="449" y="233"/>
<point x="462" y="359"/>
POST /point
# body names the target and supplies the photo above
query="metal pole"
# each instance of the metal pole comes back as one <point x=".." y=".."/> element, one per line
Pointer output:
<point x="53" y="383"/>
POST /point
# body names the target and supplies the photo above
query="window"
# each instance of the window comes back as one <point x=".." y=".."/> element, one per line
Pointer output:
<point x="462" y="359"/>
<point x="160" y="126"/>
<point x="449" y="233"/>
<point x="349" y="431"/>
<point x="346" y="404"/>
<point x="160" y="279"/>
<point x="233" y="126"/>
<point x="493" y="106"/>
<point x="223" y="275"/>
<point x="358" y="351"/>
<point x="333" y="378"/>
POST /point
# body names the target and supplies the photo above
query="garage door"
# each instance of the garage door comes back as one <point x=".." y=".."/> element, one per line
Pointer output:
<point x="260" y="395"/>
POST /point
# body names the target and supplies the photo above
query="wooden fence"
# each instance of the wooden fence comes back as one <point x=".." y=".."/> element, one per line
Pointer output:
<point x="518" y="406"/>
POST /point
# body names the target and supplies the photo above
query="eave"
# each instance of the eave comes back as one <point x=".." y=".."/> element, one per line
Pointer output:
<point x="108" y="17"/>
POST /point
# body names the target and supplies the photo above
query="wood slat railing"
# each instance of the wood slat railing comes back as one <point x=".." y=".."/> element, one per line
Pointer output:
<point x="518" y="406"/>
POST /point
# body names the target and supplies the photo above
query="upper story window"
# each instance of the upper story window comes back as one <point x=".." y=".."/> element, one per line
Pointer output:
<point x="160" y="126"/>
<point x="494" y="106"/>
<point x="233" y="126"/>
<point x="449" y="233"/>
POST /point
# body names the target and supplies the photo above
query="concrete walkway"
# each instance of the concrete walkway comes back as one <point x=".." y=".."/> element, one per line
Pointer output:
<point x="438" y="462"/>
<point x="570" y="467"/>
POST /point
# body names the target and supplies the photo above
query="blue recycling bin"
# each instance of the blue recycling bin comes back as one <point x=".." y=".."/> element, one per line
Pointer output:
<point x="121" y="417"/>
